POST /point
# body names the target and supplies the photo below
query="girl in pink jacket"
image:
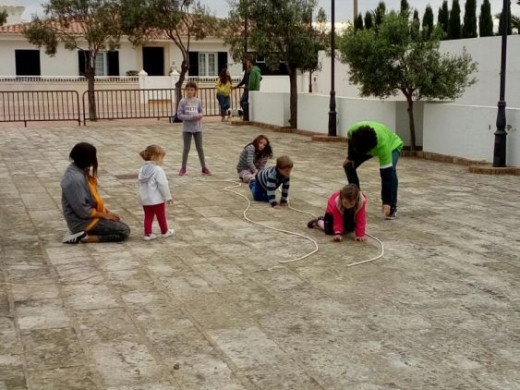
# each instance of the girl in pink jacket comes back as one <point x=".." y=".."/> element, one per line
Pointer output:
<point x="346" y="213"/>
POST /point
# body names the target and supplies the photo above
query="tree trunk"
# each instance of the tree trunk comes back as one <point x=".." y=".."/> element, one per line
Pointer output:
<point x="90" y="74"/>
<point x="310" y="81"/>
<point x="293" y="99"/>
<point x="412" y="122"/>
<point x="179" y="83"/>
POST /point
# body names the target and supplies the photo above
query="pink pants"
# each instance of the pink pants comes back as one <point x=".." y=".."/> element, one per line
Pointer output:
<point x="150" y="212"/>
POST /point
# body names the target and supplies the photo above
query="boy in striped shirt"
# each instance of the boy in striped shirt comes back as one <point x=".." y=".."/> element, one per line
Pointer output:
<point x="269" y="179"/>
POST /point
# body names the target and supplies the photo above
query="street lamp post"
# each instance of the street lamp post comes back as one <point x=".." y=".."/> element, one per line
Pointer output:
<point x="332" y="104"/>
<point x="499" y="152"/>
<point x="245" y="28"/>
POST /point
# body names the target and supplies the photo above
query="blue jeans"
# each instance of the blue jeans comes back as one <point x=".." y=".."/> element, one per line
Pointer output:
<point x="259" y="193"/>
<point x="352" y="177"/>
<point x="224" y="103"/>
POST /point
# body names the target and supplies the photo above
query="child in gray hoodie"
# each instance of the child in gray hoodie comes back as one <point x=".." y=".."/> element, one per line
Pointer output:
<point x="154" y="191"/>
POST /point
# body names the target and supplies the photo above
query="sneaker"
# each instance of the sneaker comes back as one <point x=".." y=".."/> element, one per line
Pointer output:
<point x="74" y="238"/>
<point x="205" y="171"/>
<point x="168" y="233"/>
<point x="182" y="172"/>
<point x="392" y="215"/>
<point x="148" y="237"/>
<point x="312" y="223"/>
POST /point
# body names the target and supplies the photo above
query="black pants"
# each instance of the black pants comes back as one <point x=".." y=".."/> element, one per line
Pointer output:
<point x="349" y="222"/>
<point x="110" y="231"/>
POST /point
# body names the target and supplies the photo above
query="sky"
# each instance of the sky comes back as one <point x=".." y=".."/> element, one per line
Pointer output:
<point x="343" y="8"/>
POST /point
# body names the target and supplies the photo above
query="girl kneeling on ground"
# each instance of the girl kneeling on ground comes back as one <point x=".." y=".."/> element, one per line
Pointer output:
<point x="345" y="213"/>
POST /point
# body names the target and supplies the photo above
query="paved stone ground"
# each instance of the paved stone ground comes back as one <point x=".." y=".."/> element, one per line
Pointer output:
<point x="200" y="311"/>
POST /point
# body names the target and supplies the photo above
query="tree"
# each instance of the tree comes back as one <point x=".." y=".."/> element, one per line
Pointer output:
<point x="515" y="23"/>
<point x="485" y="21"/>
<point x="390" y="61"/>
<point x="469" y="29"/>
<point x="180" y="21"/>
<point x="416" y="25"/>
<point x="323" y="42"/>
<point x="279" y="31"/>
<point x="379" y="13"/>
<point x="3" y="18"/>
<point x="443" y="19"/>
<point x="501" y="24"/>
<point x="427" y="22"/>
<point x="358" y="22"/>
<point x="369" y="21"/>
<point x="99" y="23"/>
<point x="405" y="9"/>
<point x="454" y="29"/>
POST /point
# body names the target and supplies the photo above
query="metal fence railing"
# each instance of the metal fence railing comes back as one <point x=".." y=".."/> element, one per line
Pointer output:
<point x="38" y="106"/>
<point x="150" y="103"/>
<point x="68" y="79"/>
<point x="131" y="104"/>
<point x="63" y="105"/>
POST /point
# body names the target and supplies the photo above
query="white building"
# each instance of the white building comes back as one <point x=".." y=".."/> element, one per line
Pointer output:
<point x="157" y="58"/>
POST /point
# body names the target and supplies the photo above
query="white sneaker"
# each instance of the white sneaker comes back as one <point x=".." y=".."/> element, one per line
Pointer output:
<point x="74" y="238"/>
<point x="149" y="237"/>
<point x="168" y="233"/>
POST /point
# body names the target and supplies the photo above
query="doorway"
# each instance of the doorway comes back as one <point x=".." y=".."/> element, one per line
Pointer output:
<point x="153" y="61"/>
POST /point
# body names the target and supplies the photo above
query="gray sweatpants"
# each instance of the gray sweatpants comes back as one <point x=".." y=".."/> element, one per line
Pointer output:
<point x="186" y="137"/>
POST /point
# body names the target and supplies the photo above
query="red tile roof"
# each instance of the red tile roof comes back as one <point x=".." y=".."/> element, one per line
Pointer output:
<point x="74" y="28"/>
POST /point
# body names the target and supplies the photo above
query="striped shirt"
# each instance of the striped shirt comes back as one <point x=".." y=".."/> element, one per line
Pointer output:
<point x="270" y="179"/>
<point x="246" y="159"/>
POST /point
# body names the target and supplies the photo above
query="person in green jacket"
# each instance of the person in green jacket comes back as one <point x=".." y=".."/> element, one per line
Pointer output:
<point x="254" y="78"/>
<point x="367" y="139"/>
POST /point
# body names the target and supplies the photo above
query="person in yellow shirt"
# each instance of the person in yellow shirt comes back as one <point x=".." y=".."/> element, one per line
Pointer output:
<point x="224" y="93"/>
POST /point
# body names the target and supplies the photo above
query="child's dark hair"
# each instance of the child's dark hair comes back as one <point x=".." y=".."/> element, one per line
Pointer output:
<point x="363" y="140"/>
<point x="283" y="162"/>
<point x="266" y="152"/>
<point x="84" y="156"/>
<point x="350" y="193"/>
<point x="191" y="84"/>
<point x="152" y="152"/>
<point x="224" y="77"/>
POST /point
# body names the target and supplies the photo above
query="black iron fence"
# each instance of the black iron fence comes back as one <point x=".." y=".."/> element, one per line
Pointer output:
<point x="26" y="106"/>
<point x="32" y="106"/>
<point x="131" y="104"/>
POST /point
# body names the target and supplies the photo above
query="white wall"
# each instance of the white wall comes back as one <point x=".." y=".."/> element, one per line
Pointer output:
<point x="269" y="107"/>
<point x="468" y="131"/>
<point x="313" y="112"/>
<point x="485" y="51"/>
<point x="60" y="64"/>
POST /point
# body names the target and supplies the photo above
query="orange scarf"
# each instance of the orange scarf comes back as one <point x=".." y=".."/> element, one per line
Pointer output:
<point x="100" y="206"/>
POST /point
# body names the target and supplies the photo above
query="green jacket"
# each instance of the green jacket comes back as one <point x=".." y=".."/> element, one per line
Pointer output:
<point x="387" y="141"/>
<point x="254" y="79"/>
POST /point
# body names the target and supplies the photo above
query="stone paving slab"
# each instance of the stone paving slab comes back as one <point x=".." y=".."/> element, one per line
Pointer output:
<point x="213" y="309"/>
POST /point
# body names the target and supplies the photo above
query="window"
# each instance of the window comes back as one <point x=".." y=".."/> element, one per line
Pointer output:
<point x="27" y="62"/>
<point x="208" y="64"/>
<point x="101" y="64"/>
<point x="107" y="63"/>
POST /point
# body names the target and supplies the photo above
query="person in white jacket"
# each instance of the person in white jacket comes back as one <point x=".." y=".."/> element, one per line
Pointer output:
<point x="154" y="191"/>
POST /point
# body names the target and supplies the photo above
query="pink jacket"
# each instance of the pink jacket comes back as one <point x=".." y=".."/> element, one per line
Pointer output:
<point x="360" y="216"/>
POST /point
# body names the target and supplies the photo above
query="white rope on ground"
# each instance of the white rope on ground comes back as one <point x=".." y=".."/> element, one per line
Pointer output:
<point x="316" y="247"/>
<point x="244" y="214"/>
